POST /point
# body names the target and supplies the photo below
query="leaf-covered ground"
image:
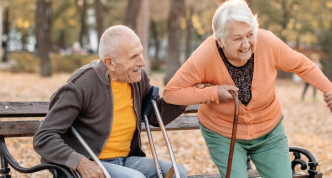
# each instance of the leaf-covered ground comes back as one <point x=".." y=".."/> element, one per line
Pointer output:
<point x="308" y="124"/>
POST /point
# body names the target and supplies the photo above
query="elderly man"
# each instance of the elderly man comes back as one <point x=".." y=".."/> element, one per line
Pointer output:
<point x="102" y="100"/>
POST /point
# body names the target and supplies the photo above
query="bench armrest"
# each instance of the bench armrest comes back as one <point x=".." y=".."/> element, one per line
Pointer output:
<point x="297" y="151"/>
<point x="14" y="164"/>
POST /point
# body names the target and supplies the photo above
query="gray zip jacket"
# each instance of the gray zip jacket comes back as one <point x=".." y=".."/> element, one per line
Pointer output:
<point x="86" y="102"/>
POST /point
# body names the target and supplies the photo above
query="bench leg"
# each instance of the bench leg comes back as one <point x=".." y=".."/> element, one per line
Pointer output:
<point x="248" y="163"/>
<point x="4" y="168"/>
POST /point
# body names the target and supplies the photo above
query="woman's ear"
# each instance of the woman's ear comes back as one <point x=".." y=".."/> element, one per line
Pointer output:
<point x="109" y="63"/>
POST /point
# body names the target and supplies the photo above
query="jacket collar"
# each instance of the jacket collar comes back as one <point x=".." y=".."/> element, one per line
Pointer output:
<point x="102" y="72"/>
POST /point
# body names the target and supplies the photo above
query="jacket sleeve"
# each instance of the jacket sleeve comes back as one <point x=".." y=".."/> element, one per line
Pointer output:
<point x="168" y="112"/>
<point x="181" y="90"/>
<point x="65" y="106"/>
<point x="291" y="61"/>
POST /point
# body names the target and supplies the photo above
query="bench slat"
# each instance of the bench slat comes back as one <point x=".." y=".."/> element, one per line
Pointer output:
<point x="40" y="109"/>
<point x="23" y="109"/>
<point x="29" y="128"/>
<point x="19" y="128"/>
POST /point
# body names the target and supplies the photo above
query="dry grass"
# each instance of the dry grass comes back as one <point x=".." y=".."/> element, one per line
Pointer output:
<point x="308" y="124"/>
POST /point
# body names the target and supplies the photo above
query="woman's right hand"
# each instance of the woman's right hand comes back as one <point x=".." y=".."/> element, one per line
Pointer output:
<point x="223" y="92"/>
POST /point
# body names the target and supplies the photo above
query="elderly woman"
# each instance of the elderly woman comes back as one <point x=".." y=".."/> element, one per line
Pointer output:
<point x="241" y="57"/>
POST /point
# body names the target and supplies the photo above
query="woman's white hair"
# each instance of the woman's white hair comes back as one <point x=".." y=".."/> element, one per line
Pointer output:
<point x="109" y="41"/>
<point x="237" y="10"/>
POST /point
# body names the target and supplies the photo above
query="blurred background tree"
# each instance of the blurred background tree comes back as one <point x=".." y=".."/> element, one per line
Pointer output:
<point x="170" y="30"/>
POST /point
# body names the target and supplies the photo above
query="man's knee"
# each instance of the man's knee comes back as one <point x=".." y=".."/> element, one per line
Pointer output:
<point x="128" y="174"/>
<point x="182" y="171"/>
<point x="131" y="175"/>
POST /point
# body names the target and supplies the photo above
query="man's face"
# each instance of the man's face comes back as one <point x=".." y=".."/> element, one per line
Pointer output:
<point x="130" y="61"/>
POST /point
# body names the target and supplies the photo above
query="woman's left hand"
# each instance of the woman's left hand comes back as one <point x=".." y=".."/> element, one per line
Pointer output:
<point x="328" y="99"/>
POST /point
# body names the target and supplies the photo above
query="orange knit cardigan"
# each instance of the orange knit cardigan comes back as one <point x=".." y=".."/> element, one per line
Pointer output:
<point x="263" y="112"/>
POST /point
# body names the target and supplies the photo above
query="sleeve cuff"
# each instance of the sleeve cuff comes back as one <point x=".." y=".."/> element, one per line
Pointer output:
<point x="215" y="97"/>
<point x="73" y="160"/>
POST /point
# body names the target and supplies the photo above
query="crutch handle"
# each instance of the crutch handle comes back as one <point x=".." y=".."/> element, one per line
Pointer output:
<point x="153" y="94"/>
<point x="231" y="149"/>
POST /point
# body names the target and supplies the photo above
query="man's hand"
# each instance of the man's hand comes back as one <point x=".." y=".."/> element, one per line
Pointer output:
<point x="328" y="99"/>
<point x="89" y="169"/>
<point x="224" y="94"/>
<point x="203" y="85"/>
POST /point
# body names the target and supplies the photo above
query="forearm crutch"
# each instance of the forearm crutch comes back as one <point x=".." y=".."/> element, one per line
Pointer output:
<point x="147" y="105"/>
<point x="231" y="149"/>
<point x="88" y="149"/>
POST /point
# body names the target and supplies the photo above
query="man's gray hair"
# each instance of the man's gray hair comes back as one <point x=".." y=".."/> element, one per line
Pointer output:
<point x="237" y="10"/>
<point x="109" y="41"/>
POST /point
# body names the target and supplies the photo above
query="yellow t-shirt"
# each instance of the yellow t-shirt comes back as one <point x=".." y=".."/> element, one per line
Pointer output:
<point x="124" y="123"/>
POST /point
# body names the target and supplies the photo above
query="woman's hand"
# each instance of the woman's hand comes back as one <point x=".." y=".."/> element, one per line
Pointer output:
<point x="328" y="99"/>
<point x="224" y="94"/>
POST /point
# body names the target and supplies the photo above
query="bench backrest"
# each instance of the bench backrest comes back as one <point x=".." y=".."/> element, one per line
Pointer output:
<point x="40" y="109"/>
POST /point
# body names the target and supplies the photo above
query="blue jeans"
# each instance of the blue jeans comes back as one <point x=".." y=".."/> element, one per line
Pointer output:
<point x="138" y="167"/>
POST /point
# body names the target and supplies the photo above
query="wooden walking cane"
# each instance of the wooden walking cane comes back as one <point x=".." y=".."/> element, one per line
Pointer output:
<point x="231" y="149"/>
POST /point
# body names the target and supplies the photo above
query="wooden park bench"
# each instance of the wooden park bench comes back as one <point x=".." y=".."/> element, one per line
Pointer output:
<point x="28" y="128"/>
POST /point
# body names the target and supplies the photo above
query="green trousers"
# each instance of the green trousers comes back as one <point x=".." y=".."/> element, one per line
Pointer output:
<point x="270" y="153"/>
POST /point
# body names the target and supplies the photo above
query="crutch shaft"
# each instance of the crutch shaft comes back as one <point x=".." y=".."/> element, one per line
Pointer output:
<point x="153" y="150"/>
<point x="88" y="149"/>
<point x="168" y="143"/>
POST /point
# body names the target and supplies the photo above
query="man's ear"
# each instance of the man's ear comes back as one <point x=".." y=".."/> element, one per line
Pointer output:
<point x="109" y="63"/>
<point x="220" y="43"/>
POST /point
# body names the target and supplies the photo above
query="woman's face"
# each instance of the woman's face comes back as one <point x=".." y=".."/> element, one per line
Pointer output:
<point x="239" y="44"/>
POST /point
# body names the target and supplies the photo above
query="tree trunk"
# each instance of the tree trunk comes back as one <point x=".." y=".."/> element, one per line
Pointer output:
<point x="5" y="42"/>
<point x="24" y="39"/>
<point x="188" y="32"/>
<point x="84" y="30"/>
<point x="156" y="39"/>
<point x="173" y="30"/>
<point x="99" y="18"/>
<point x="143" y="31"/>
<point x="62" y="39"/>
<point x="43" y="29"/>
<point x="133" y="8"/>
<point x="285" y="21"/>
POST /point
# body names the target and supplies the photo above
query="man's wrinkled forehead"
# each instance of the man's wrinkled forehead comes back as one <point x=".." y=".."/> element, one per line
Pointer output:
<point x="130" y="43"/>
